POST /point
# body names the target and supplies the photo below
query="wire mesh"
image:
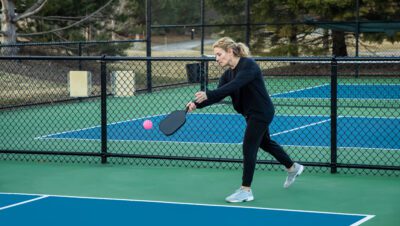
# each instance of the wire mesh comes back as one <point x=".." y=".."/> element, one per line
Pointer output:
<point x="42" y="121"/>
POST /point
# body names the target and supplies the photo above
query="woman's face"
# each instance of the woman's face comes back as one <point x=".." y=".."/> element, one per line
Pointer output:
<point x="223" y="57"/>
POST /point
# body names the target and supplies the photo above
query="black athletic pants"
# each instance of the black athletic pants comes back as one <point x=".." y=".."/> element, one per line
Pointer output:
<point x="257" y="136"/>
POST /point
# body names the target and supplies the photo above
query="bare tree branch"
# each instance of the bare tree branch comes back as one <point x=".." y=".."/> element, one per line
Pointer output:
<point x="71" y="25"/>
<point x="65" y="18"/>
<point x="70" y="19"/>
<point x="314" y="41"/>
<point x="32" y="10"/>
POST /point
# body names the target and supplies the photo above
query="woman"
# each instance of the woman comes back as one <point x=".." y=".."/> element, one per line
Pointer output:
<point x="243" y="82"/>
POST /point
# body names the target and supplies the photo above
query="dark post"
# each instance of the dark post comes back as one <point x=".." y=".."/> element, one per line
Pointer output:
<point x="103" y="72"/>
<point x="203" y="70"/>
<point x="202" y="27"/>
<point x="334" y="115"/>
<point x="357" y="35"/>
<point x="80" y="54"/>
<point x="148" y="44"/>
<point x="203" y="75"/>
<point x="357" y="26"/>
<point x="248" y="22"/>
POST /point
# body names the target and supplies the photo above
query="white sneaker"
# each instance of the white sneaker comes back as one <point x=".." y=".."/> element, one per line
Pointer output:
<point x="291" y="177"/>
<point x="240" y="195"/>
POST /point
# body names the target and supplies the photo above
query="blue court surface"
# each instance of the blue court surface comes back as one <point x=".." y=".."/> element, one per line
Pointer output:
<point x="45" y="210"/>
<point x="229" y="129"/>
<point x="379" y="92"/>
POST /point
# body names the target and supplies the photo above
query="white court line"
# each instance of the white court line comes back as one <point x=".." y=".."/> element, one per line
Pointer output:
<point x="48" y="136"/>
<point x="365" y="84"/>
<point x="153" y="141"/>
<point x="200" y="204"/>
<point x="328" y="98"/>
<point x="298" y="90"/>
<point x="339" y="99"/>
<point x="301" y="127"/>
<point x="368" y="117"/>
<point x="77" y="130"/>
<point x="119" y="122"/>
<point x="24" y="202"/>
<point x="342" y="147"/>
<point x="206" y="143"/>
<point x="366" y="218"/>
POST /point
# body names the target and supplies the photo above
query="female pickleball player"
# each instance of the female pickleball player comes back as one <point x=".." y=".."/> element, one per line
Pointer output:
<point x="243" y="82"/>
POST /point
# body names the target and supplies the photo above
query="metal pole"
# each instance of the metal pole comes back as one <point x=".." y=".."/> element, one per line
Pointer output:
<point x="203" y="67"/>
<point x="80" y="54"/>
<point x="333" y="115"/>
<point x="103" y="72"/>
<point x="357" y="34"/>
<point x="357" y="26"/>
<point x="148" y="44"/>
<point x="248" y="22"/>
<point x="202" y="27"/>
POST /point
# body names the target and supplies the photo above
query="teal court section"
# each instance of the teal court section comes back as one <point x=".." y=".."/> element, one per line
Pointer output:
<point x="57" y="210"/>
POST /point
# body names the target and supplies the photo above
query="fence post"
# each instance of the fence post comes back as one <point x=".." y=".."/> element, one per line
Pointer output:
<point x="148" y="44"/>
<point x="202" y="17"/>
<point x="357" y="35"/>
<point x="203" y="75"/>
<point x="80" y="54"/>
<point x="103" y="72"/>
<point x="248" y="6"/>
<point x="333" y="163"/>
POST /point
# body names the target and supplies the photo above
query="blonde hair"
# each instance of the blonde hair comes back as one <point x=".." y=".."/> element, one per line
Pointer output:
<point x="239" y="49"/>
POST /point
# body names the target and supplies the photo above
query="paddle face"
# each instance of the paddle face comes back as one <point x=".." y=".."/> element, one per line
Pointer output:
<point x="175" y="120"/>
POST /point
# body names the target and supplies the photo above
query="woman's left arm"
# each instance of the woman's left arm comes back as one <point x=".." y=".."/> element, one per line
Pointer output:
<point x="242" y="79"/>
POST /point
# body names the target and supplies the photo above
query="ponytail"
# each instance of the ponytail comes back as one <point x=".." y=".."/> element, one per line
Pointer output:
<point x="239" y="49"/>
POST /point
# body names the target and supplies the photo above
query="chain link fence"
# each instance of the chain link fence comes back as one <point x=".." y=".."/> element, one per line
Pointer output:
<point x="314" y="41"/>
<point x="77" y="48"/>
<point x="334" y="114"/>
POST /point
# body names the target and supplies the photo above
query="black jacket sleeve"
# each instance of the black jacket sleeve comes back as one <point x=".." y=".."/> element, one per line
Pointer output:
<point x="242" y="79"/>
<point x="222" y="81"/>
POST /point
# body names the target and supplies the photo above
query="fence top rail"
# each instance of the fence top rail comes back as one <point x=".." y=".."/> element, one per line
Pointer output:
<point x="69" y="43"/>
<point x="306" y="22"/>
<point x="208" y="58"/>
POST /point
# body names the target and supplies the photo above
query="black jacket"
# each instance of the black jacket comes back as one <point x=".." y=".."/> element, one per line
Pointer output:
<point x="245" y="85"/>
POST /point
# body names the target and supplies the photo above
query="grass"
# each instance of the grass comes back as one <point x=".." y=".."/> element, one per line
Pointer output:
<point x="385" y="48"/>
<point x="16" y="88"/>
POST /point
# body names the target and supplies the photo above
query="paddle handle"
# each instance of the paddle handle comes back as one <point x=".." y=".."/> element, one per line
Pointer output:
<point x="187" y="108"/>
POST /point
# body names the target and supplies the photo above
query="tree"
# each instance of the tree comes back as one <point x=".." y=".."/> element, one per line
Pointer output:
<point x="291" y="36"/>
<point x="332" y="11"/>
<point x="287" y="32"/>
<point x="229" y="12"/>
<point x="130" y="17"/>
<point x="282" y="13"/>
<point x="167" y="12"/>
<point x="63" y="18"/>
<point x="67" y="20"/>
<point x="286" y="14"/>
<point x="388" y="10"/>
<point x="9" y="20"/>
<point x="345" y="10"/>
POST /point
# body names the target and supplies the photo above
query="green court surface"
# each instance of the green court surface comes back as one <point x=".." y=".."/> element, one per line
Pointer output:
<point x="28" y="125"/>
<point x="199" y="182"/>
<point x="373" y="195"/>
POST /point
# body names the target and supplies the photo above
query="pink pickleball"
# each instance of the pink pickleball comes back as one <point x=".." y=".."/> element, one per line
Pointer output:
<point x="147" y="124"/>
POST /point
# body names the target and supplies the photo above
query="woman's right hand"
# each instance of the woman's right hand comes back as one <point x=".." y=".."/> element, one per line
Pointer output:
<point x="191" y="106"/>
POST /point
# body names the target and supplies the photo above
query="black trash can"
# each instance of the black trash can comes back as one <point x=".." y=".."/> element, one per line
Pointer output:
<point x="193" y="72"/>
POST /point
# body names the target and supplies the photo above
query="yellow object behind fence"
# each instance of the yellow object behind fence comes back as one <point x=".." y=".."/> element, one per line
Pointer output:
<point x="80" y="83"/>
